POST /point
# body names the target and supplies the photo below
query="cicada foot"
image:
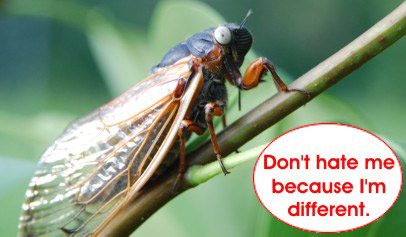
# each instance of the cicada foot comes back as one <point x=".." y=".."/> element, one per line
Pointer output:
<point x="210" y="110"/>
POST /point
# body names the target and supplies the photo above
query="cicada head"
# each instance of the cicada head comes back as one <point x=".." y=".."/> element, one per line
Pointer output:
<point x="236" y="37"/>
<point x="236" y="41"/>
<point x="241" y="42"/>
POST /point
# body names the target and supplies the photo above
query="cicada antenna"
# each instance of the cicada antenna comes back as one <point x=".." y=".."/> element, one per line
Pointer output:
<point x="239" y="28"/>
<point x="245" y="19"/>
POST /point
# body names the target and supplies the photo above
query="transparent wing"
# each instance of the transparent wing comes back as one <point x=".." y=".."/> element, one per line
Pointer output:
<point x="89" y="170"/>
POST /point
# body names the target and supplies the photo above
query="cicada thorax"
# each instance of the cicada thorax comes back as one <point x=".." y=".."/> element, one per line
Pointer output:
<point x="213" y="90"/>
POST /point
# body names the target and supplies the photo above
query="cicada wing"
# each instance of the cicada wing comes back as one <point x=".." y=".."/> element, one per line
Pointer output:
<point x="184" y="108"/>
<point x="90" y="169"/>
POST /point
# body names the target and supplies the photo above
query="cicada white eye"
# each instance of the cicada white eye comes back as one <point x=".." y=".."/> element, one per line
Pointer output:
<point x="222" y="35"/>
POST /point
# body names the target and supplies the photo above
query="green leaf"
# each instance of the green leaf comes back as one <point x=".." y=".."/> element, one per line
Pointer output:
<point x="122" y="53"/>
<point x="169" y="27"/>
<point x="27" y="138"/>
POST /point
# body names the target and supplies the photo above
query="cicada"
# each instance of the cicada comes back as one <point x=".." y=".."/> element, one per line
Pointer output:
<point x="104" y="159"/>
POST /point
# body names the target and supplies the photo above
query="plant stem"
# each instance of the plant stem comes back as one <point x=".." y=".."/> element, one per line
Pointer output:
<point x="198" y="174"/>
<point x="317" y="80"/>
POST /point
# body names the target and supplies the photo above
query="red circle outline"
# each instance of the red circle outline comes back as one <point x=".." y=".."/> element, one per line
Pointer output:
<point x="328" y="123"/>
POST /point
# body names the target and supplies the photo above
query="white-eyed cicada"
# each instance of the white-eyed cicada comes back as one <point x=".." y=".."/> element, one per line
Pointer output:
<point x="104" y="159"/>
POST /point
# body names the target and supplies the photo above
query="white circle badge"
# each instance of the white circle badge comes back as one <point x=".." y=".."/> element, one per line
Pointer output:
<point x="327" y="177"/>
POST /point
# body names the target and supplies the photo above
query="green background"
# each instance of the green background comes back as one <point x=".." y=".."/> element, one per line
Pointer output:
<point x="62" y="59"/>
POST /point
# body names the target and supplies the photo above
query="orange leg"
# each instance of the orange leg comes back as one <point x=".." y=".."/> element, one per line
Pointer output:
<point x="186" y="125"/>
<point x="257" y="69"/>
<point x="210" y="110"/>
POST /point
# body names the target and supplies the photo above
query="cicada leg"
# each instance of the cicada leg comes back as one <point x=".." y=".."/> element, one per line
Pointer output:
<point x="186" y="125"/>
<point x="256" y="71"/>
<point x="224" y="122"/>
<point x="210" y="110"/>
<point x="183" y="82"/>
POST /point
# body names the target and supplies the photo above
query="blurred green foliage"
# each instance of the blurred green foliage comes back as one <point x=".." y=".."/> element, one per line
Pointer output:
<point x="61" y="59"/>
